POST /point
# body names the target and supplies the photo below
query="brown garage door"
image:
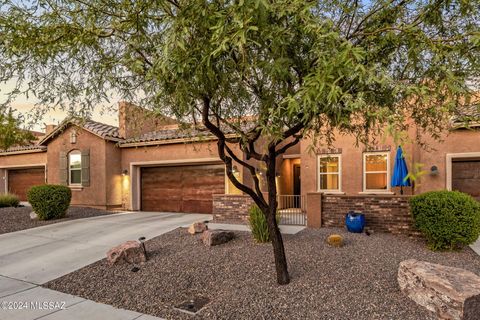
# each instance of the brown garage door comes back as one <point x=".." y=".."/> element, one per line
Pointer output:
<point x="20" y="180"/>
<point x="466" y="177"/>
<point x="181" y="188"/>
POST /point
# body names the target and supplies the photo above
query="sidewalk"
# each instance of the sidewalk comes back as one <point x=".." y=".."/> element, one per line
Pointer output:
<point x="26" y="301"/>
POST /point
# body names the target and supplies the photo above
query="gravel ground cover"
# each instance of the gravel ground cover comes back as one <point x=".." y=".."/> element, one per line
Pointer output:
<point x="15" y="219"/>
<point x="357" y="281"/>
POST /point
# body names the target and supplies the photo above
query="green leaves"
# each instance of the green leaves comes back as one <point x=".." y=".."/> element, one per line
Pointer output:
<point x="282" y="63"/>
<point x="11" y="132"/>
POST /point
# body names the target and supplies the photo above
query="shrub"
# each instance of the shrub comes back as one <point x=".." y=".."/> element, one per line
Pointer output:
<point x="258" y="224"/>
<point x="9" y="200"/>
<point x="448" y="219"/>
<point x="49" y="201"/>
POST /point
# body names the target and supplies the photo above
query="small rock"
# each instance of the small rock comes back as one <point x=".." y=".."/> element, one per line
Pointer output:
<point x="452" y="293"/>
<point x="216" y="237"/>
<point x="33" y="215"/>
<point x="129" y="252"/>
<point x="335" y="240"/>
<point x="197" y="227"/>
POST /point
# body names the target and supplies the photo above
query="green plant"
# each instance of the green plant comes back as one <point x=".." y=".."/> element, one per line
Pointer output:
<point x="8" y="200"/>
<point x="258" y="224"/>
<point x="49" y="201"/>
<point x="448" y="219"/>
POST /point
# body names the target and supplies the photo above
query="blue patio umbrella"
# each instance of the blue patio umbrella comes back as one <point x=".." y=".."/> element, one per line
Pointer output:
<point x="400" y="171"/>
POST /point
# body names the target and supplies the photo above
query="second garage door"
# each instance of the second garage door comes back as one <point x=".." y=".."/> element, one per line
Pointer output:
<point x="181" y="188"/>
<point x="466" y="177"/>
<point x="20" y="180"/>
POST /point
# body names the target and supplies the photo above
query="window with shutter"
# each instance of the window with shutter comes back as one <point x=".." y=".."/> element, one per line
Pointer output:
<point x="75" y="168"/>
<point x="85" y="168"/>
<point x="63" y="174"/>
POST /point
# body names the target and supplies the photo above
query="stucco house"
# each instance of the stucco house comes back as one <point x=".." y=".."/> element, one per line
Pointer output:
<point x="148" y="163"/>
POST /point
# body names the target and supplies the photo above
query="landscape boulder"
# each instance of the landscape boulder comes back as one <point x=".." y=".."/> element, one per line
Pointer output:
<point x="216" y="237"/>
<point x="452" y="293"/>
<point x="197" y="227"/>
<point x="127" y="252"/>
<point x="33" y="216"/>
<point x="335" y="240"/>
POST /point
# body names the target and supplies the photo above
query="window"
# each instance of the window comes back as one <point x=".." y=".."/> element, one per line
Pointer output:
<point x="330" y="173"/>
<point x="75" y="168"/>
<point x="376" y="171"/>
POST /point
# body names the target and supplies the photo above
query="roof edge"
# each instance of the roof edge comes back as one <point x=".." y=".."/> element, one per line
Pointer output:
<point x="36" y="150"/>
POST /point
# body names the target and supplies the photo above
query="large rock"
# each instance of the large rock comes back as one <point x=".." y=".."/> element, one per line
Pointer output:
<point x="452" y="293"/>
<point x="216" y="237"/>
<point x="129" y="252"/>
<point x="33" y="215"/>
<point x="335" y="240"/>
<point x="197" y="227"/>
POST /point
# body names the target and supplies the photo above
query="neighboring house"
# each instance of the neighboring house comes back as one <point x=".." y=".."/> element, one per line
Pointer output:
<point x="151" y="165"/>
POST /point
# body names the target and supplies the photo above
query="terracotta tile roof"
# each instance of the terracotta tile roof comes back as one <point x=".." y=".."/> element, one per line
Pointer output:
<point x="467" y="115"/>
<point x="168" y="134"/>
<point x="32" y="148"/>
<point x="105" y="131"/>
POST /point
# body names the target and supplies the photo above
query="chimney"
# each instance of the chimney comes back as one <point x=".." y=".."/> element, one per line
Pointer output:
<point x="122" y="118"/>
<point x="49" y="128"/>
<point x="133" y="121"/>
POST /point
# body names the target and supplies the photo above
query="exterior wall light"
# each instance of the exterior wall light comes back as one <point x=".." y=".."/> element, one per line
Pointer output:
<point x="434" y="171"/>
<point x="125" y="172"/>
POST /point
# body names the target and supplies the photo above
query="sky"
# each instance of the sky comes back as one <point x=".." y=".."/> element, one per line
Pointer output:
<point x="25" y="105"/>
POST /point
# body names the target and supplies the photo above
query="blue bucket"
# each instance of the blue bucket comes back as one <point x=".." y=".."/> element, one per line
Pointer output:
<point x="355" y="222"/>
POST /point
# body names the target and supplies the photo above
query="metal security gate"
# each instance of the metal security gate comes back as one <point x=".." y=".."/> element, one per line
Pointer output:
<point x="292" y="210"/>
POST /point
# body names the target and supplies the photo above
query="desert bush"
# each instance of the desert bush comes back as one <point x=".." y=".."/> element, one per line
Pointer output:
<point x="49" y="201"/>
<point x="448" y="219"/>
<point x="8" y="200"/>
<point x="258" y="224"/>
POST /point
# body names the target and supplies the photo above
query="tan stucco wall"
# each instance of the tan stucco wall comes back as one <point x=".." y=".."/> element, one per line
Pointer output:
<point x="352" y="163"/>
<point x="108" y="188"/>
<point x="285" y="180"/>
<point x="135" y="157"/>
<point x="458" y="141"/>
<point x="23" y="160"/>
<point x="102" y="168"/>
<point x="113" y="174"/>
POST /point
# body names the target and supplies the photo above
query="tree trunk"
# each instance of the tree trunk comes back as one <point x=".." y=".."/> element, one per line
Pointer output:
<point x="275" y="235"/>
<point x="278" y="248"/>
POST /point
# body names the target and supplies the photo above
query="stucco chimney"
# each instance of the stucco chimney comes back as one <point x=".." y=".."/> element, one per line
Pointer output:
<point x="134" y="121"/>
<point x="49" y="128"/>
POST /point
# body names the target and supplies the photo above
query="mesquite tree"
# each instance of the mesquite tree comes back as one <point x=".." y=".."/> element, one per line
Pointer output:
<point x="260" y="75"/>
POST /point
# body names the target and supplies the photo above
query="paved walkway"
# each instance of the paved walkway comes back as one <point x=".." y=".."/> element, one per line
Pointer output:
<point x="243" y="227"/>
<point x="476" y="246"/>
<point x="32" y="257"/>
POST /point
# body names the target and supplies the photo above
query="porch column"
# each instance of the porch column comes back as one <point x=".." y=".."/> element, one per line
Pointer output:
<point x="314" y="210"/>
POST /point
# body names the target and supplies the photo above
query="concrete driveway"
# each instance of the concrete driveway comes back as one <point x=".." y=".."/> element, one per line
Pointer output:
<point x="476" y="246"/>
<point x="41" y="254"/>
<point x="34" y="256"/>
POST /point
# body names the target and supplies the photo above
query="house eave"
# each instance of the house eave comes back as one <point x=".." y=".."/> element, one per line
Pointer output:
<point x="52" y="134"/>
<point x="8" y="153"/>
<point x="170" y="141"/>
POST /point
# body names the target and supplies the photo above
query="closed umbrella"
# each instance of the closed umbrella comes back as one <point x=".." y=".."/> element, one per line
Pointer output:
<point x="400" y="171"/>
